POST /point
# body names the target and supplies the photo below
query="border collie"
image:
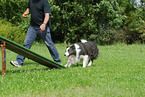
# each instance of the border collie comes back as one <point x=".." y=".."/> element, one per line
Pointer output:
<point x="86" y="50"/>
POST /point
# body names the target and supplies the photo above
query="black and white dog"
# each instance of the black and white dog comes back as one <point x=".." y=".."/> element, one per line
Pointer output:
<point x="87" y="50"/>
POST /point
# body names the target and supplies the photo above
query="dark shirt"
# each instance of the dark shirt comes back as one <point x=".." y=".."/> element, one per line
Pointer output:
<point x="38" y="9"/>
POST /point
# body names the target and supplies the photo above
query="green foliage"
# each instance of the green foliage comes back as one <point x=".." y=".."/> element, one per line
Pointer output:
<point x="109" y="17"/>
<point x="133" y="22"/>
<point x="24" y="24"/>
<point x="134" y="25"/>
<point x="73" y="22"/>
<point x="109" y="14"/>
<point x="11" y="32"/>
<point x="12" y="9"/>
<point x="76" y="19"/>
<point x="102" y="21"/>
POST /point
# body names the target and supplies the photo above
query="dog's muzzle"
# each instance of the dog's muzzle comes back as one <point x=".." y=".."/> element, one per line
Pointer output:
<point x="66" y="54"/>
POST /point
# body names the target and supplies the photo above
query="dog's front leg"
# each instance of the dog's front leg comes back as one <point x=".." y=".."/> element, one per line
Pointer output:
<point x="77" y="56"/>
<point x="85" y="60"/>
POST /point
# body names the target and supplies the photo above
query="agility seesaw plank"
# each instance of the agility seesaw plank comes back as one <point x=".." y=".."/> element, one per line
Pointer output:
<point x="19" y="49"/>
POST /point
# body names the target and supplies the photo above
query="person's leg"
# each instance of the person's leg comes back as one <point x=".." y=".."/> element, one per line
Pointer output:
<point x="46" y="37"/>
<point x="30" y="38"/>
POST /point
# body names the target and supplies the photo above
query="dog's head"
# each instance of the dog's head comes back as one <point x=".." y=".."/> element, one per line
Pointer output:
<point x="70" y="50"/>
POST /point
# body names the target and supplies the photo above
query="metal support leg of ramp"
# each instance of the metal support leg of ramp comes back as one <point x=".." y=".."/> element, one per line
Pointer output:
<point x="3" y="45"/>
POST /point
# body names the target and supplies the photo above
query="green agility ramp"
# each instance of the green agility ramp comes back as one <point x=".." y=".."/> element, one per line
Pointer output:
<point x="19" y="49"/>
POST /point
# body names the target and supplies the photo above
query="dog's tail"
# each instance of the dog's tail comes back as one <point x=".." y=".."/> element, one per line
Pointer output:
<point x="83" y="41"/>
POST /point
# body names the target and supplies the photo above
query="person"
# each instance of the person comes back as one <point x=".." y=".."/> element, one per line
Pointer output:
<point x="39" y="26"/>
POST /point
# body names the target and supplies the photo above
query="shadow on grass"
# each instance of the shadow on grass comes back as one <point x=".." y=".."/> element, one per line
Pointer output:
<point x="32" y="67"/>
<point x="25" y="68"/>
<point x="79" y="65"/>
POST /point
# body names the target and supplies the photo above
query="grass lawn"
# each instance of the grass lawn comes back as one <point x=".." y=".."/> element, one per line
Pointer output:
<point x="118" y="71"/>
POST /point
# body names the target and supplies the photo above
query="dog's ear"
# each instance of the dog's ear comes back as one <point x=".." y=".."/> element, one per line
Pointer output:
<point x="72" y="50"/>
<point x="72" y="46"/>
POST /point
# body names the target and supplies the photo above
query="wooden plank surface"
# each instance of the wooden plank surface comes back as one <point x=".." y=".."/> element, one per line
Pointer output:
<point x="19" y="49"/>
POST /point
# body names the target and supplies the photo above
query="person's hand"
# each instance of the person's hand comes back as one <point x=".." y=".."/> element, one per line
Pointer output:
<point x="25" y="15"/>
<point x="42" y="27"/>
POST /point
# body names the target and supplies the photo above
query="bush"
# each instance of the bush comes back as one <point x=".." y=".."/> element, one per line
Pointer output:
<point x="101" y="21"/>
<point x="10" y="32"/>
<point x="87" y="20"/>
<point x="71" y="21"/>
<point x="134" y="26"/>
<point x="104" y="36"/>
<point x="12" y="10"/>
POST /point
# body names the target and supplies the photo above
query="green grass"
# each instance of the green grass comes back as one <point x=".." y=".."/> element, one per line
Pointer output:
<point x="119" y="71"/>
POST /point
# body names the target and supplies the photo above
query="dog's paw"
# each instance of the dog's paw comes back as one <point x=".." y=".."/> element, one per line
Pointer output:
<point x="89" y="64"/>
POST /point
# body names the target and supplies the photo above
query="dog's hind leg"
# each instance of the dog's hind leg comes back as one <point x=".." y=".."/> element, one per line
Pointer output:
<point x="77" y="57"/>
<point x="90" y="63"/>
<point x="85" y="60"/>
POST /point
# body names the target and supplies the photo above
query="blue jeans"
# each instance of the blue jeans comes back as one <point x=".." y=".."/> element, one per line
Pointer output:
<point x="32" y="33"/>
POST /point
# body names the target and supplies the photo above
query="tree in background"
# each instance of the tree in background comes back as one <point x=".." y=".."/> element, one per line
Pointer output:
<point x="103" y="21"/>
<point x="133" y="24"/>
<point x="109" y="17"/>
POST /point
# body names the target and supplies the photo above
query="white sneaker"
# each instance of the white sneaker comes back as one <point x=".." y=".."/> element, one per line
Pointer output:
<point x="15" y="63"/>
